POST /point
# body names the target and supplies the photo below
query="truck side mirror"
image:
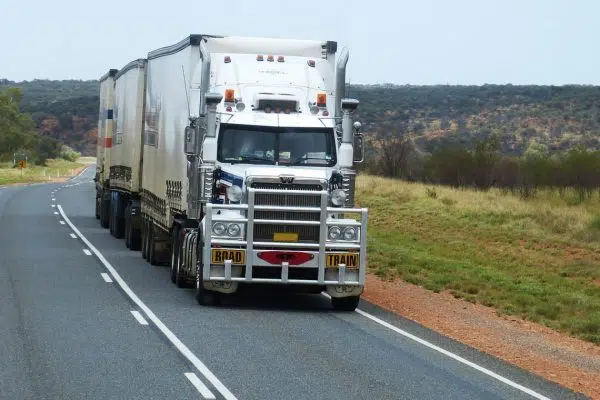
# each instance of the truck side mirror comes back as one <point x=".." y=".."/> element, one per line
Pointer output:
<point x="190" y="143"/>
<point x="359" y="148"/>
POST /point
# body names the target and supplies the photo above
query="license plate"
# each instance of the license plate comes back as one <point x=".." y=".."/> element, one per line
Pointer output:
<point x="237" y="257"/>
<point x="351" y="260"/>
<point x="285" y="237"/>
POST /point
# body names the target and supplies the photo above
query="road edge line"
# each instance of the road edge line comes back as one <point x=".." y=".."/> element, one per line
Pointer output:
<point x="447" y="353"/>
<point x="183" y="349"/>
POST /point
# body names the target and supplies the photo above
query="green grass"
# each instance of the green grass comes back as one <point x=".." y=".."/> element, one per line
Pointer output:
<point x="538" y="259"/>
<point x="53" y="169"/>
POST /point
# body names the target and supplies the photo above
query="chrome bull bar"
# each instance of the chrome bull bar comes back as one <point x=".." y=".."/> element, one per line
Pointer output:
<point x="249" y="244"/>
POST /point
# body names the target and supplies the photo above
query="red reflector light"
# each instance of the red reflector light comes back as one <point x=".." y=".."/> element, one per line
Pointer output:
<point x="277" y="110"/>
<point x="227" y="59"/>
<point x="325" y="113"/>
<point x="311" y="63"/>
<point x="291" y="257"/>
<point x="280" y="59"/>
<point x="267" y="109"/>
<point x="270" y="58"/>
<point x="259" y="57"/>
<point x="229" y="109"/>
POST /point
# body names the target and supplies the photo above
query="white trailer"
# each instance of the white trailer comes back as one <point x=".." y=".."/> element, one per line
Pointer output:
<point x="103" y="145"/>
<point x="247" y="177"/>
<point x="125" y="176"/>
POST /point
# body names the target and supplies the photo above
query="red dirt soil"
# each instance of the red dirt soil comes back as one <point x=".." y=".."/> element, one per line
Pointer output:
<point x="570" y="362"/>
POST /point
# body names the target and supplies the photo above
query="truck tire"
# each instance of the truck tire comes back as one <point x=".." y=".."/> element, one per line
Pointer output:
<point x="104" y="205"/>
<point x="144" y="238"/>
<point x="152" y="259"/>
<point x="97" y="206"/>
<point x="345" y="303"/>
<point x="128" y="226"/>
<point x="174" y="253"/>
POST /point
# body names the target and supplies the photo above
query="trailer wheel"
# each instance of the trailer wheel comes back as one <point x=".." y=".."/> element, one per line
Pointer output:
<point x="174" y="253"/>
<point x="144" y="238"/>
<point x="152" y="256"/>
<point x="104" y="204"/>
<point x="128" y="226"/>
<point x="345" y="303"/>
<point x="97" y="206"/>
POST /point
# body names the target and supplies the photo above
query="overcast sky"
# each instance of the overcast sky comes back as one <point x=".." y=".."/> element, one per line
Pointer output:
<point x="414" y="42"/>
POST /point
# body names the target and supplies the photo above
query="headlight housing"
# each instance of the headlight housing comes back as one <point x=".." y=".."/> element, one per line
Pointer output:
<point x="340" y="233"/>
<point x="232" y="230"/>
<point x="335" y="233"/>
<point x="219" y="228"/>
<point x="234" y="193"/>
<point x="338" y="197"/>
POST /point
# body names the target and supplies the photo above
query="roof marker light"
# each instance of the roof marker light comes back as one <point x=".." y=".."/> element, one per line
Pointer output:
<point x="229" y="95"/>
<point x="311" y="63"/>
<point x="270" y="58"/>
<point x="280" y="59"/>
<point x="227" y="59"/>
<point x="260" y="57"/>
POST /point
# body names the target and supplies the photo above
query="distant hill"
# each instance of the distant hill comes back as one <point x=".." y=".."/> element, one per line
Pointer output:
<point x="66" y="110"/>
<point x="561" y="117"/>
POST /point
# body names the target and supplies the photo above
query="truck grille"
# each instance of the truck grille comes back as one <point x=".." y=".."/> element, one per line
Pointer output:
<point x="312" y="198"/>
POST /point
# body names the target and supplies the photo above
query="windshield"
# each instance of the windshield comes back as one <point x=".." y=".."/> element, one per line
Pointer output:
<point x="281" y="146"/>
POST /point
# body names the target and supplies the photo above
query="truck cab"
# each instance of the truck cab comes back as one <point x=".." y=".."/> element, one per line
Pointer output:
<point x="274" y="155"/>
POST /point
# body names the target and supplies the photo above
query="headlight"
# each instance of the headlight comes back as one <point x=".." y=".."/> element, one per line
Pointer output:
<point x="234" y="193"/>
<point x="234" y="230"/>
<point x="335" y="233"/>
<point x="338" y="197"/>
<point x="350" y="233"/>
<point x="219" y="228"/>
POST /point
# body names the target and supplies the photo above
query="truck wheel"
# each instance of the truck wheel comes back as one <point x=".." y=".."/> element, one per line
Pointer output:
<point x="152" y="259"/>
<point x="97" y="206"/>
<point x="135" y="239"/>
<point x="144" y="238"/>
<point x="345" y="303"/>
<point x="174" y="253"/>
<point x="203" y="296"/>
<point x="103" y="211"/>
<point x="128" y="226"/>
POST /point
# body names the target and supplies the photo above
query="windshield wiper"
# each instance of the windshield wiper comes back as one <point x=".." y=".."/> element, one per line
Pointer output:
<point x="299" y="160"/>
<point x="252" y="159"/>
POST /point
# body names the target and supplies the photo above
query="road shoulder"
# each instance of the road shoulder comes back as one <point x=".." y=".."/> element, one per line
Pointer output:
<point x="557" y="357"/>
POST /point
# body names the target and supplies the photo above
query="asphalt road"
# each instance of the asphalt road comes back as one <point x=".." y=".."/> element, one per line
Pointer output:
<point x="67" y="331"/>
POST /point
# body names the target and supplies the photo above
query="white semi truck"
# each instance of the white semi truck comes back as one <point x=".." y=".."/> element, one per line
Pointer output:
<point x="246" y="159"/>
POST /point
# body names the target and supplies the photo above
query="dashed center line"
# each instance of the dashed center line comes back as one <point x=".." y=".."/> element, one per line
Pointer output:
<point x="53" y="205"/>
<point x="106" y="277"/>
<point x="55" y="212"/>
<point x="87" y="252"/>
<point x="199" y="385"/>
<point x="62" y="222"/>
<point x="138" y="316"/>
<point x="74" y="236"/>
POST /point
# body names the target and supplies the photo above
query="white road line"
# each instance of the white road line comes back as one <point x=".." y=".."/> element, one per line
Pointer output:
<point x="138" y="316"/>
<point x="87" y="252"/>
<point x="53" y="205"/>
<point x="62" y="222"/>
<point x="106" y="277"/>
<point x="55" y="212"/>
<point x="183" y="349"/>
<point x="449" y="354"/>
<point x="199" y="385"/>
<point x="53" y="199"/>
<point x="74" y="236"/>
